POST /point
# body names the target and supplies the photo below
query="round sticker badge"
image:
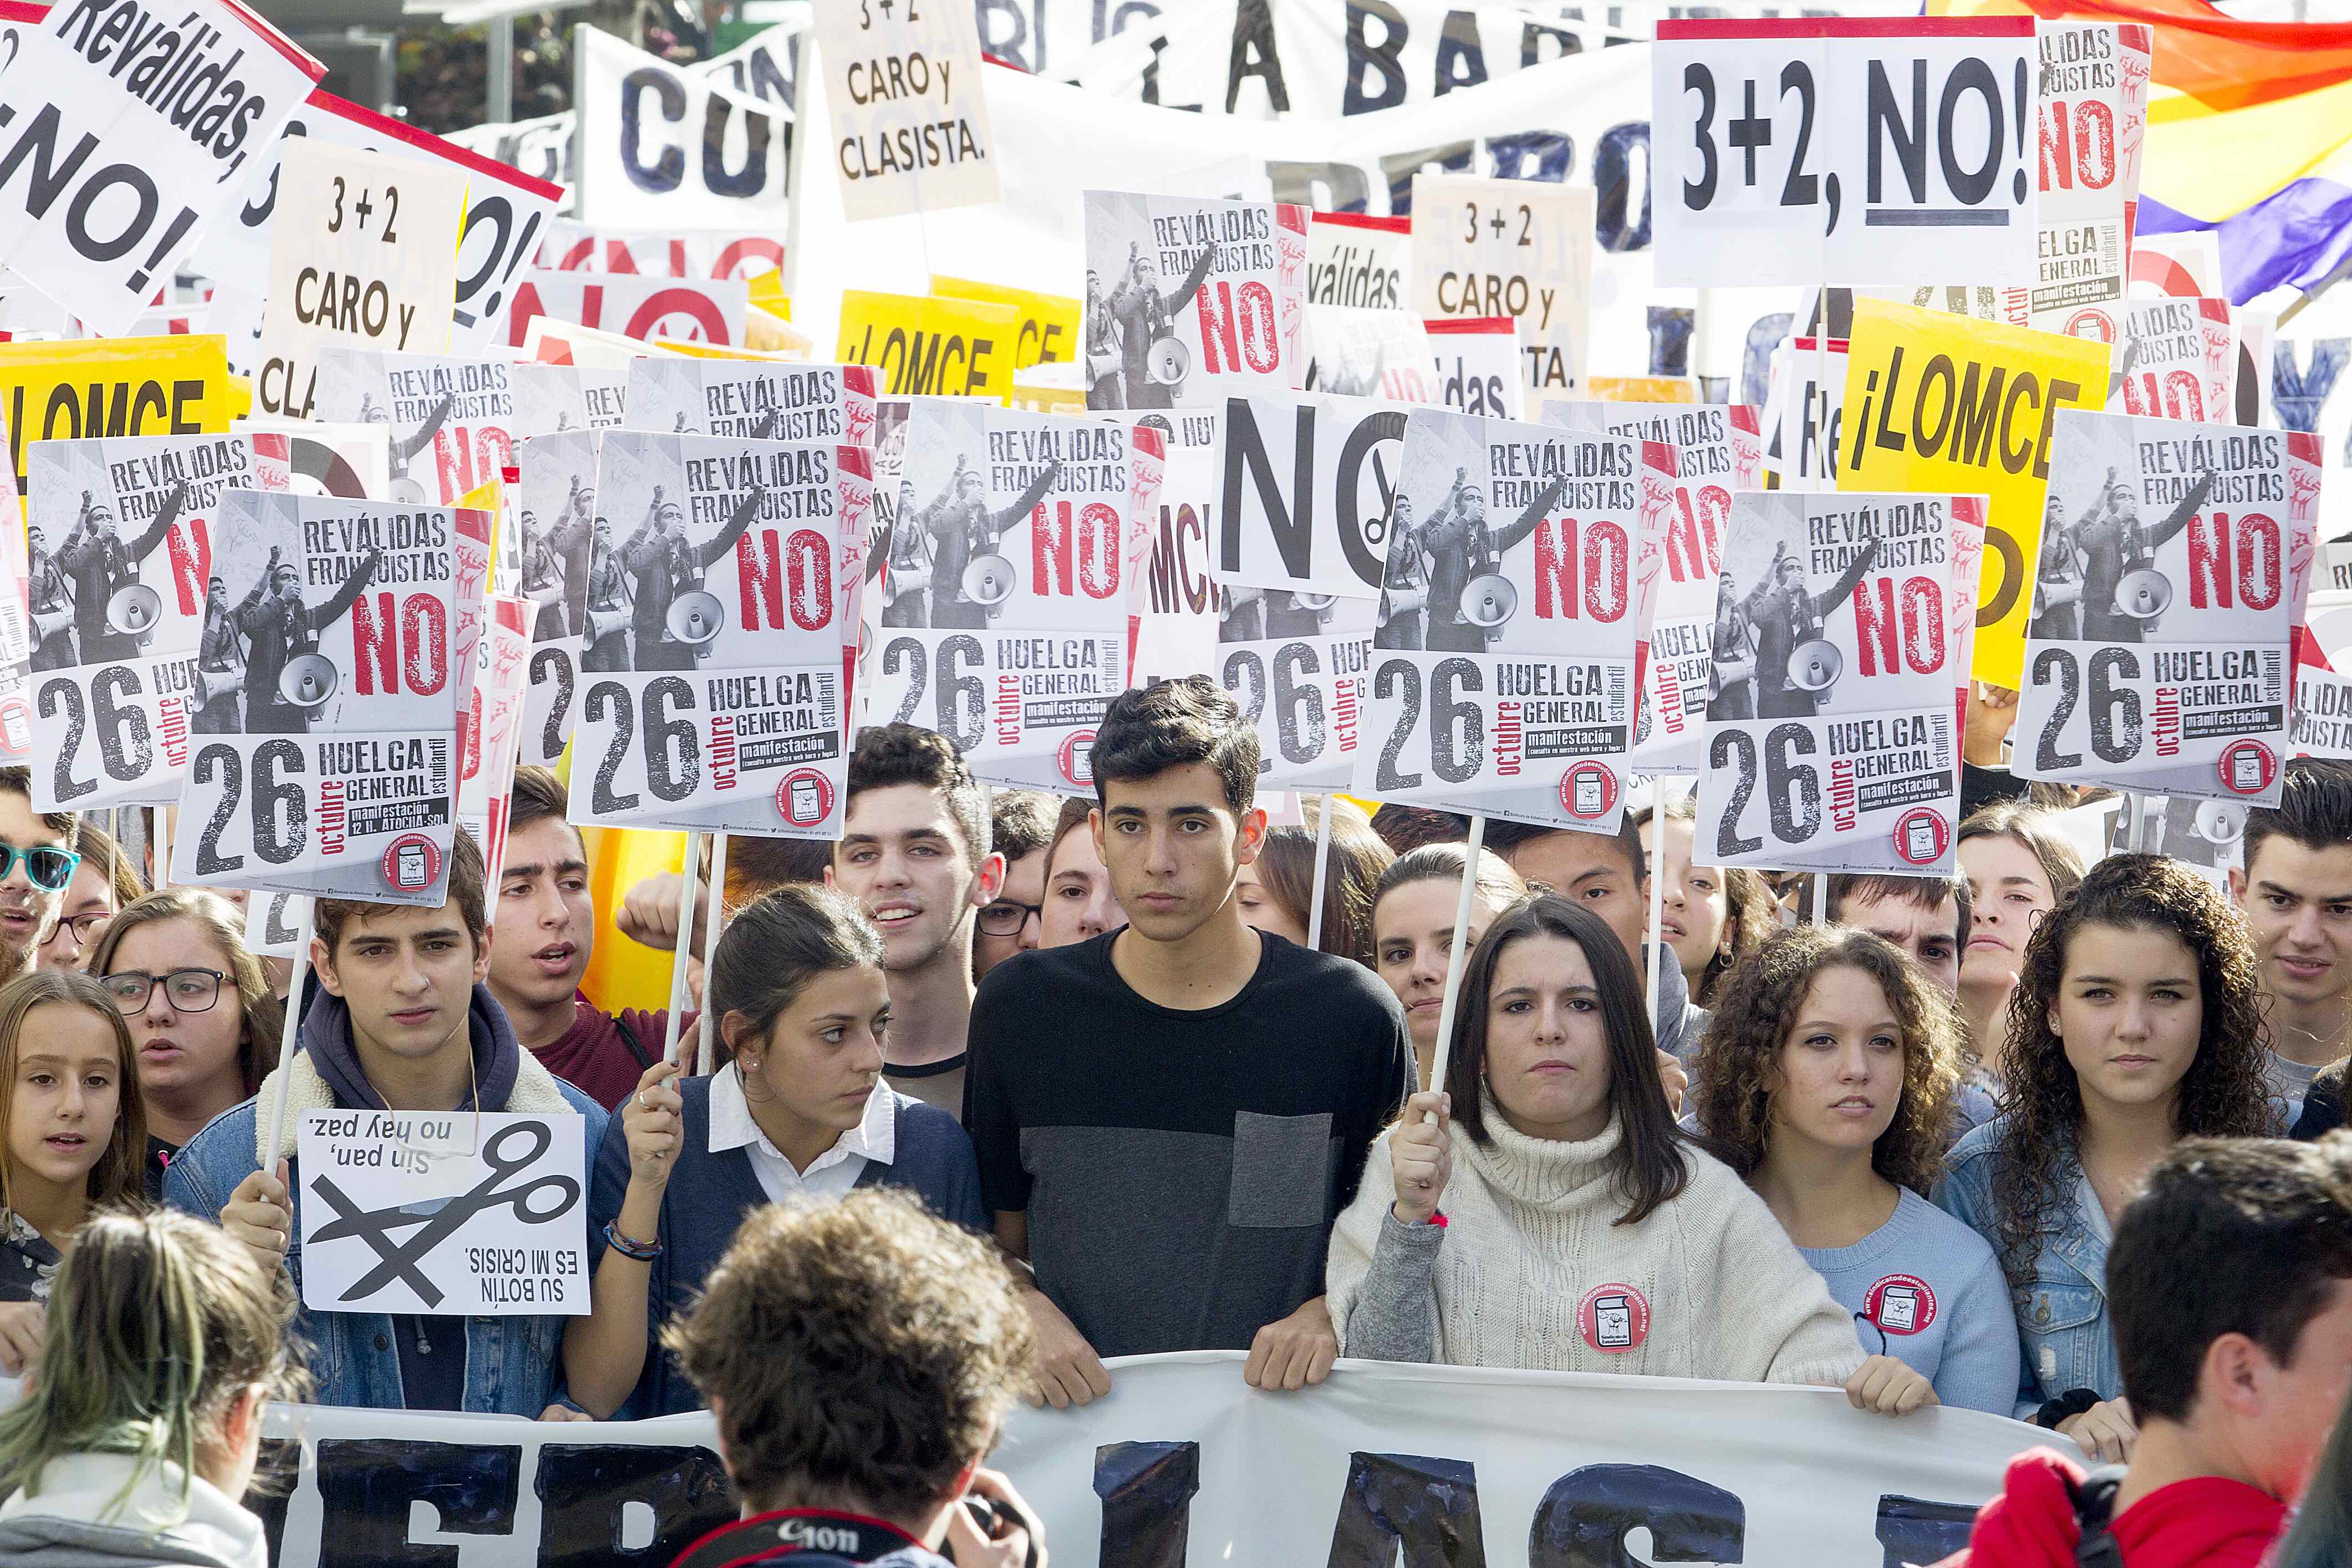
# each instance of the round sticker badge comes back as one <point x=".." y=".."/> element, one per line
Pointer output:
<point x="805" y="797"/>
<point x="1078" y="758"/>
<point x="1613" y="1319"/>
<point x="1921" y="835"/>
<point x="411" y="862"/>
<point x="2248" y="766"/>
<point x="1901" y="1304"/>
<point x="1587" y="790"/>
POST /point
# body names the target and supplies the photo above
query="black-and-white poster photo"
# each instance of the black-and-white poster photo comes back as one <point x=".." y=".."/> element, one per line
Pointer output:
<point x="1773" y="655"/>
<point x="945" y="568"/>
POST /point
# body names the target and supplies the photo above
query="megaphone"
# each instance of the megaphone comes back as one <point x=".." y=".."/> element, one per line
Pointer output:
<point x="551" y="594"/>
<point x="900" y="581"/>
<point x="1167" y="361"/>
<point x="2144" y="594"/>
<point x="2220" y="821"/>
<point x="1319" y="603"/>
<point x="1489" y="600"/>
<point x="48" y="624"/>
<point x="1814" y="665"/>
<point x="210" y="685"/>
<point x="695" y="618"/>
<point x="134" y="608"/>
<point x="308" y="681"/>
<point x="988" y="581"/>
<point x="602" y="624"/>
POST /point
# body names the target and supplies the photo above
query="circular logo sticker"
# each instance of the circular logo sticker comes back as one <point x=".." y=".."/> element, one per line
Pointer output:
<point x="411" y="862"/>
<point x="2248" y="766"/>
<point x="1613" y="1319"/>
<point x="1921" y="835"/>
<point x="1587" y="790"/>
<point x="805" y="797"/>
<point x="1078" y="758"/>
<point x="1901" y="1304"/>
<point x="2091" y="326"/>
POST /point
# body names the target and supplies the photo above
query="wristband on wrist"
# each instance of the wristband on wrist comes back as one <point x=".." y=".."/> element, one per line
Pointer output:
<point x="2065" y="1407"/>
<point x="641" y="1251"/>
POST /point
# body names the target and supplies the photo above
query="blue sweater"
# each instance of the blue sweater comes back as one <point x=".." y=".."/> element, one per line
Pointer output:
<point x="1937" y="1289"/>
<point x="708" y="1196"/>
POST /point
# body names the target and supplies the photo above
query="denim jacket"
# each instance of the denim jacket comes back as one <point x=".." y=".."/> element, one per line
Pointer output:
<point x="513" y="1364"/>
<point x="2067" y="1341"/>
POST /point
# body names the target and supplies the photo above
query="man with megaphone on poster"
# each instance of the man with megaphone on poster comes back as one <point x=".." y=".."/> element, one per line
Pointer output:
<point x="667" y="567"/>
<point x="1462" y="549"/>
<point x="280" y="628"/>
<point x="2124" y="595"/>
<point x="1788" y="618"/>
<point x="100" y="566"/>
<point x="220" y="667"/>
<point x="965" y="530"/>
<point x="51" y="602"/>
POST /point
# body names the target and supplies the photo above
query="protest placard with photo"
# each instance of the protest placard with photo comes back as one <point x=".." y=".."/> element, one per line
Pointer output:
<point x="1716" y="452"/>
<point x="273" y="922"/>
<point x="2178" y="359"/>
<point x="1189" y="302"/>
<point x="759" y="400"/>
<point x="1380" y="354"/>
<point x="571" y="577"/>
<point x="2321" y="724"/>
<point x="130" y="167"/>
<point x="2173" y="563"/>
<point x="551" y="399"/>
<point x="474" y="1214"/>
<point x="2091" y="124"/>
<point x="1840" y="651"/>
<point x="1509" y="248"/>
<point x="1306" y="485"/>
<point x="132" y="637"/>
<point x="1502" y="671"/>
<point x="1294" y="662"/>
<point x="486" y="751"/>
<point x="355" y="623"/>
<point x="1173" y="602"/>
<point x="700" y="311"/>
<point x="1007" y="622"/>
<point x="353" y="461"/>
<point x="1480" y="366"/>
<point x="1790" y="151"/>
<point x="714" y="680"/>
<point x="450" y="419"/>
<point x="910" y="115"/>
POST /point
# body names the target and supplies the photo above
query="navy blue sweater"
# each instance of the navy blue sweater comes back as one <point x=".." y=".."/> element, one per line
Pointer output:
<point x="709" y="1195"/>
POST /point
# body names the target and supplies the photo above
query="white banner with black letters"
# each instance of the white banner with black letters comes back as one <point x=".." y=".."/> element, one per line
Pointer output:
<point x="909" y="119"/>
<point x="1519" y="248"/>
<point x="665" y="145"/>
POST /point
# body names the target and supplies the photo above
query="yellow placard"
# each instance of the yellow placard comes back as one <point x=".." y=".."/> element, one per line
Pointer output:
<point x="1642" y="388"/>
<point x="1039" y="399"/>
<point x="1941" y="402"/>
<point x="113" y="386"/>
<point x="936" y="348"/>
<point x="1045" y="329"/>
<point x="766" y="293"/>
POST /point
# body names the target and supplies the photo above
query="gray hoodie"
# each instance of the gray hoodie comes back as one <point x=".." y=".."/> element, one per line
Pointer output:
<point x="59" y="1527"/>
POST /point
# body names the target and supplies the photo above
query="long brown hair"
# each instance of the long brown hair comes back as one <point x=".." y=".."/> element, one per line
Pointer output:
<point x="1740" y="1056"/>
<point x="1751" y="916"/>
<point x="1652" y="1167"/>
<point x="1285" y="865"/>
<point x="265" y="1011"/>
<point x="2222" y="1095"/>
<point x="120" y="1177"/>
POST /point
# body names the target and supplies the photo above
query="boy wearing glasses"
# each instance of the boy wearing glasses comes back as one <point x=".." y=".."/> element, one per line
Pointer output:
<point x="403" y="1022"/>
<point x="37" y="865"/>
<point x="915" y="855"/>
<point x="1021" y="828"/>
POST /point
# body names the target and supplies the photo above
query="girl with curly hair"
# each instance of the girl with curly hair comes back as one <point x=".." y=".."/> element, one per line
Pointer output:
<point x="1713" y="917"/>
<point x="2137" y="1022"/>
<point x="1826" y="1079"/>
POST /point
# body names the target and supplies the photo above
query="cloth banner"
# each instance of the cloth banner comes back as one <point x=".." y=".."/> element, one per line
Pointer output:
<point x="1183" y="1462"/>
<point x="663" y="145"/>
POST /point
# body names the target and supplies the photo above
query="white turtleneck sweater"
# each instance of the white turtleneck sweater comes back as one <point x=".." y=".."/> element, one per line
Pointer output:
<point x="1532" y="1271"/>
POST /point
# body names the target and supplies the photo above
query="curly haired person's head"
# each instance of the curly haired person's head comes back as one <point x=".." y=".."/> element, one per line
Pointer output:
<point x="859" y="1357"/>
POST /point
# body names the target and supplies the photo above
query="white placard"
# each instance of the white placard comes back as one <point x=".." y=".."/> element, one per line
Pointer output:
<point x="1479" y="367"/>
<point x="450" y="419"/>
<point x="698" y="310"/>
<point x="909" y="118"/>
<point x="1191" y="300"/>
<point x="662" y="145"/>
<point x="1509" y="248"/>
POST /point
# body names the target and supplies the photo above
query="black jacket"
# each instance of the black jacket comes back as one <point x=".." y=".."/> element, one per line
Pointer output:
<point x="2323" y="1104"/>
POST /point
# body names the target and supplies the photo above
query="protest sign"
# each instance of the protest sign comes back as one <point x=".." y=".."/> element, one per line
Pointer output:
<point x="2322" y="725"/>
<point x="2091" y="124"/>
<point x="1804" y="414"/>
<point x="494" y="714"/>
<point x="910" y="116"/>
<point x="349" y="460"/>
<point x="1191" y="300"/>
<point x="461" y="410"/>
<point x="1478" y="366"/>
<point x="363" y="251"/>
<point x="506" y="212"/>
<point x="1380" y="354"/>
<point x="120" y="386"/>
<point x="2171" y="575"/>
<point x="1716" y="452"/>
<point x="337" y="775"/>
<point x="539" y="147"/>
<point x="1046" y="326"/>
<point x="273" y="922"/>
<point x="570" y="247"/>
<point x="718" y="700"/>
<point x="1798" y="151"/>
<point x="707" y="311"/>
<point x="1509" y="248"/>
<point x="665" y="146"/>
<point x="134" y="127"/>
<point x="570" y="577"/>
<point x="1833" y="733"/>
<point x="2178" y="359"/>
<point x="1005" y="626"/>
<point x="474" y="1214"/>
<point x="552" y="398"/>
<point x="833" y="404"/>
<point x="1305" y="494"/>
<point x="925" y="347"/>
<point x="1172" y="604"/>
<point x="1951" y="406"/>
<point x="123" y="663"/>
<point x="1502" y="672"/>
<point x="1356" y="260"/>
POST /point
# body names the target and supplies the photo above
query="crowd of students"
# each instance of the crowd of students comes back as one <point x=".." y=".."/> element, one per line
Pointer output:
<point x="1892" y="1152"/>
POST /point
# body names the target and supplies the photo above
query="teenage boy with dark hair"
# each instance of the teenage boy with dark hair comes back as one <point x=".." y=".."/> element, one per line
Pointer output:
<point x="38" y="870"/>
<point x="1927" y="918"/>
<point x="2296" y="892"/>
<point x="403" y="1022"/>
<point x="2231" y="1286"/>
<point x="914" y="854"/>
<point x="874" y="1468"/>
<point x="546" y="933"/>
<point x="1170" y="1116"/>
<point x="1021" y="829"/>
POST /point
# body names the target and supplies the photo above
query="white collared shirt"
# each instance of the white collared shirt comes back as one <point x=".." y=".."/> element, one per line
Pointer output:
<point x="832" y="1174"/>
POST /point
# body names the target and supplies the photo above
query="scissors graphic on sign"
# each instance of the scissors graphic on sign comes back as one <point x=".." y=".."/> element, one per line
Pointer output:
<point x="437" y="1219"/>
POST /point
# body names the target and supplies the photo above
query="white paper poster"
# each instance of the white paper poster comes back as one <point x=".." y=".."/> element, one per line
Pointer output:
<point x="2179" y="360"/>
<point x="1479" y="367"/>
<point x="705" y="311"/>
<point x="1190" y="300"/>
<point x="909" y="118"/>
<point x="1359" y="261"/>
<point x="487" y="748"/>
<point x="570" y="577"/>
<point x="449" y="418"/>
<point x="665" y="146"/>
<point x="1509" y="248"/>
<point x="765" y="401"/>
<point x="552" y="398"/>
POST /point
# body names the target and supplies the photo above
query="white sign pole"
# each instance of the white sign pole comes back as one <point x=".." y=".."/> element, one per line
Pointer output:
<point x="703" y="1064"/>
<point x="684" y="947"/>
<point x="293" y="1030"/>
<point x="163" y="877"/>
<point x="1322" y="865"/>
<point x="1460" y="956"/>
<point x="1657" y="954"/>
